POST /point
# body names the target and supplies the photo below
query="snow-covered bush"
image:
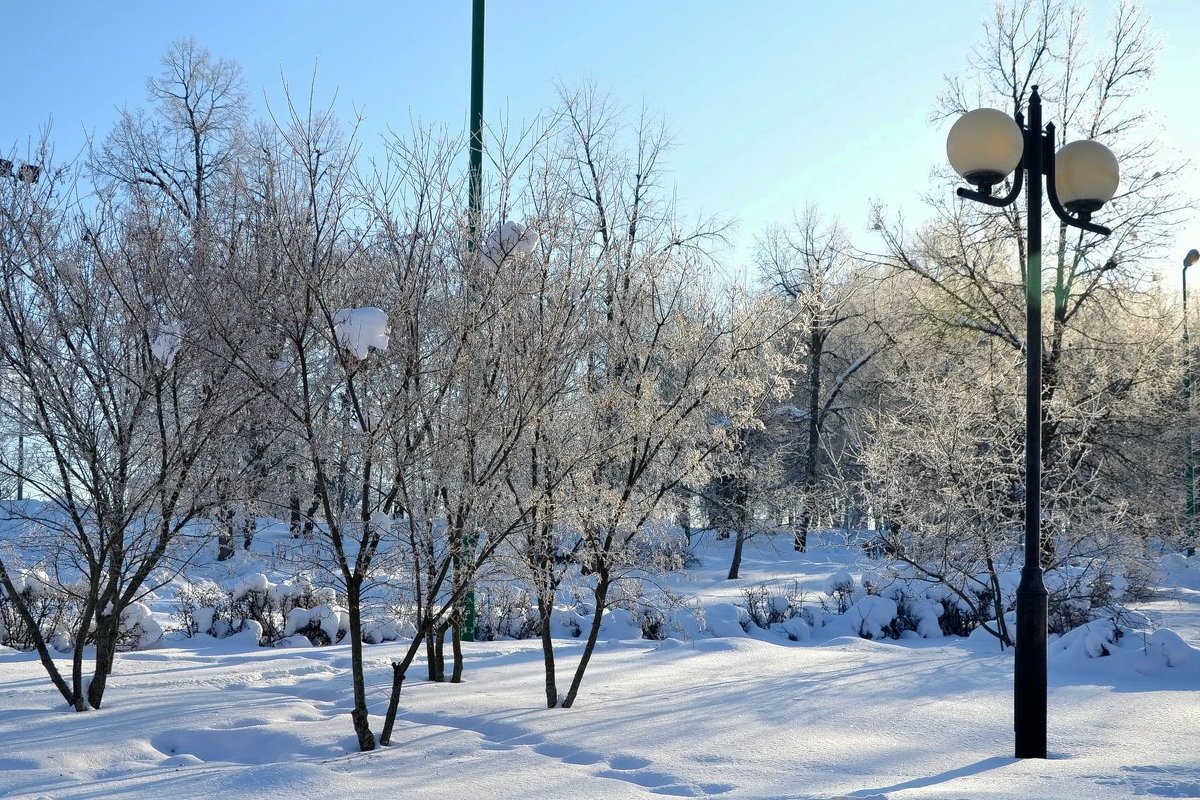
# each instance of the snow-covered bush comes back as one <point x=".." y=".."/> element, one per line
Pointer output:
<point x="841" y="589"/>
<point x="55" y="611"/>
<point x="767" y="606"/>
<point x="872" y="617"/>
<point x="504" y="611"/>
<point x="139" y="630"/>
<point x="321" y="625"/>
<point x="255" y="603"/>
<point x="203" y="608"/>
<point x="379" y="630"/>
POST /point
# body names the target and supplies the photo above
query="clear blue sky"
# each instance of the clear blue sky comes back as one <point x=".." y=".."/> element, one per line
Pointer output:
<point x="774" y="104"/>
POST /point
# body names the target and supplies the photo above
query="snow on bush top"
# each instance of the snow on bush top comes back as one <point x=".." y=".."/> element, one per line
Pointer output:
<point x="35" y="581"/>
<point x="509" y="238"/>
<point x="360" y="329"/>
<point x="256" y="582"/>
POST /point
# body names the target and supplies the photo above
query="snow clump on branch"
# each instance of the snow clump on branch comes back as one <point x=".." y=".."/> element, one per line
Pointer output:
<point x="509" y="238"/>
<point x="359" y="329"/>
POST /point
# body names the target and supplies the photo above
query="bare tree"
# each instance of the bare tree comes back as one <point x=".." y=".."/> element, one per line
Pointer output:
<point x="102" y="336"/>
<point x="812" y="265"/>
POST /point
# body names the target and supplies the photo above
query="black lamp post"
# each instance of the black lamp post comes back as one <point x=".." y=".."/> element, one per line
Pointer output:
<point x="985" y="146"/>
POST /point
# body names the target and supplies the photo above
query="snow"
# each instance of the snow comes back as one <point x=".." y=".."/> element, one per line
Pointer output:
<point x="509" y="239"/>
<point x="167" y="342"/>
<point x="360" y="329"/>
<point x="726" y="711"/>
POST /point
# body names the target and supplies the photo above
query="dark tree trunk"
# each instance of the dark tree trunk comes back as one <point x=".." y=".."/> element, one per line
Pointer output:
<point x="248" y="526"/>
<point x="816" y="350"/>
<point x="545" y="610"/>
<point x="106" y="650"/>
<point x="73" y="695"/>
<point x="741" y="510"/>
<point x="601" y="594"/>
<point x="456" y="646"/>
<point x="399" y="670"/>
<point x="736" y="564"/>
<point x="362" y="723"/>
<point x="225" y="536"/>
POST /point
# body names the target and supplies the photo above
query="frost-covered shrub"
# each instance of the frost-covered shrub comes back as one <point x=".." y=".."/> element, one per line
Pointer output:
<point x="841" y="589"/>
<point x="55" y="611"/>
<point x="138" y="629"/>
<point x="651" y="610"/>
<point x="203" y="608"/>
<point x="255" y="604"/>
<point x="379" y="630"/>
<point x="321" y="625"/>
<point x="653" y="622"/>
<point x="504" y="611"/>
<point x="872" y="616"/>
<point x="767" y="606"/>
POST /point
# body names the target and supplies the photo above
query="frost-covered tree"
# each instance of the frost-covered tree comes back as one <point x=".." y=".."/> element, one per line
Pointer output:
<point x="834" y="333"/>
<point x="103" y="329"/>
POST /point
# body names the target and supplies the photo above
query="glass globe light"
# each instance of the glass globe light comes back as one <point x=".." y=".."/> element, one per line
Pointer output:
<point x="1086" y="175"/>
<point x="984" y="146"/>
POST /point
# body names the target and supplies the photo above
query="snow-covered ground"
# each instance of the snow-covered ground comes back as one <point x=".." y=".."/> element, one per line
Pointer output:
<point x="736" y="716"/>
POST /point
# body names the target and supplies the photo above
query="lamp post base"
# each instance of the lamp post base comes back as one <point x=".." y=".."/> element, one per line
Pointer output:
<point x="1029" y="665"/>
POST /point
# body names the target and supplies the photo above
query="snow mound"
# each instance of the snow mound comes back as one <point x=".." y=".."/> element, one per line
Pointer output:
<point x="870" y="615"/>
<point x="1165" y="649"/>
<point x="725" y="619"/>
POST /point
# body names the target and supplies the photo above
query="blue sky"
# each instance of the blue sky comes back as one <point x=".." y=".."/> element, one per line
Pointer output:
<point x="773" y="104"/>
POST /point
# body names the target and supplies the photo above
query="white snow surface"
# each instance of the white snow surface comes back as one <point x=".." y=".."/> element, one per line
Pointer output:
<point x="734" y="715"/>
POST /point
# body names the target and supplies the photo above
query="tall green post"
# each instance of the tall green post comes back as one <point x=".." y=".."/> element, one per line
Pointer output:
<point x="475" y="211"/>
<point x="1189" y="472"/>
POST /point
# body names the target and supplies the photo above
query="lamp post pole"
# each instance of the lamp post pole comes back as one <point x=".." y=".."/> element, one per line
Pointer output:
<point x="1029" y="670"/>
<point x="1189" y="472"/>
<point x="474" y="213"/>
<point x="27" y="174"/>
<point x="985" y="146"/>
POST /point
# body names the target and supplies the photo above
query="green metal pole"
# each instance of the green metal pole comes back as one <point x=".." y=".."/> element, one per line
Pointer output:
<point x="475" y="211"/>
<point x="1190" y="463"/>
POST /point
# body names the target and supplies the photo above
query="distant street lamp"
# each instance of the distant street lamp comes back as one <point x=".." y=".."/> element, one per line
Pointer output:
<point x="1190" y="464"/>
<point x="27" y="174"/>
<point x="985" y="146"/>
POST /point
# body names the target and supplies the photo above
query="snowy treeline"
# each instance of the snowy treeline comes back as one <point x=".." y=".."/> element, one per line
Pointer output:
<point x="216" y="318"/>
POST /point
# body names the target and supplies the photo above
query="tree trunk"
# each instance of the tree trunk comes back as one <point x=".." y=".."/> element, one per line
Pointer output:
<point x="545" y="612"/>
<point x="106" y="650"/>
<point x="736" y="564"/>
<point x="399" y="670"/>
<point x="601" y="594"/>
<point x="225" y="536"/>
<point x="248" y="525"/>
<point x="742" y="510"/>
<point x="456" y="646"/>
<point x="816" y="349"/>
<point x="362" y="723"/>
<point x="800" y="536"/>
<point x="73" y="695"/>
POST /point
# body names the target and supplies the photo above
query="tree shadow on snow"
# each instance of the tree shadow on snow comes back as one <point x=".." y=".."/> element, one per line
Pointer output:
<point x="933" y="780"/>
